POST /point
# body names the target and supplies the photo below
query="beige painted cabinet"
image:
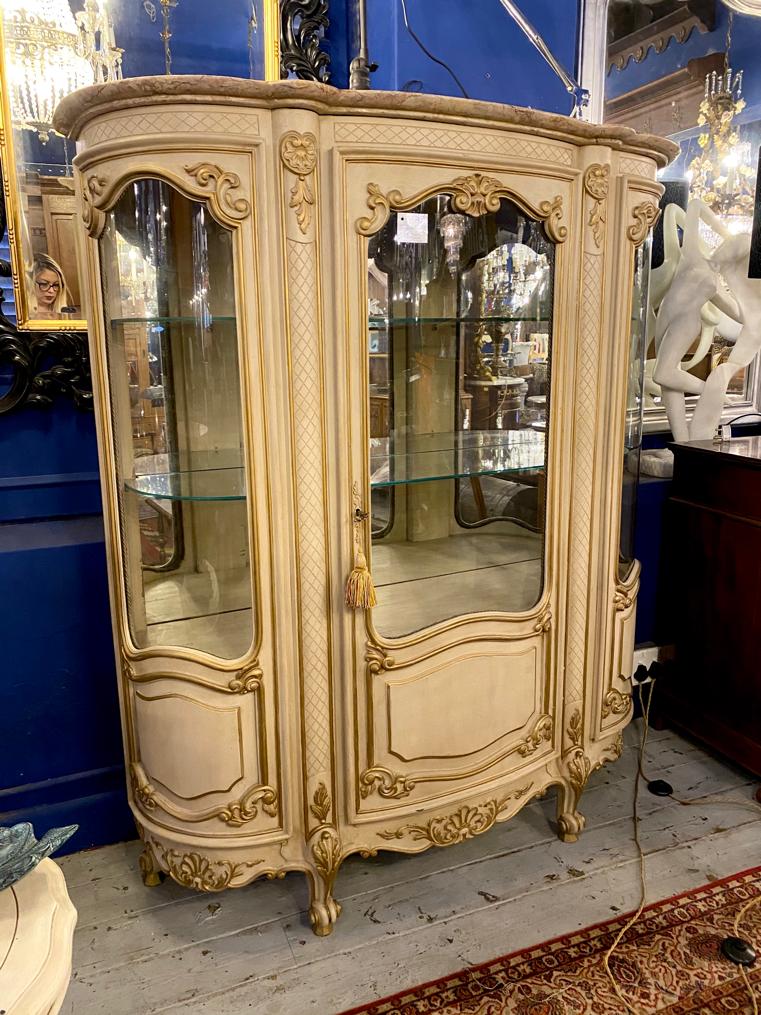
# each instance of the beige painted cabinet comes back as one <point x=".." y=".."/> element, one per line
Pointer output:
<point x="335" y="335"/>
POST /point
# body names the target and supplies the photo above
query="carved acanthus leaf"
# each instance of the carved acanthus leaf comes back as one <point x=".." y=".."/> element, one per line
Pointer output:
<point x="320" y="807"/>
<point x="541" y="732"/>
<point x="465" y="823"/>
<point x="92" y="190"/>
<point x="201" y="873"/>
<point x="616" y="703"/>
<point x="221" y="183"/>
<point x="235" y="813"/>
<point x="298" y="153"/>
<point x="246" y="680"/>
<point x="142" y="790"/>
<point x="552" y="213"/>
<point x="326" y="851"/>
<point x="473" y="195"/>
<point x="389" y="785"/>
<point x="238" y="812"/>
<point x="544" y="623"/>
<point x="596" y="181"/>
<point x="645" y="216"/>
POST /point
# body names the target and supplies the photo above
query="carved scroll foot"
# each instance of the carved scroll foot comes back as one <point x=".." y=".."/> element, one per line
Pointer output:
<point x="150" y="872"/>
<point x="570" y="822"/>
<point x="570" y="826"/>
<point x="323" y="915"/>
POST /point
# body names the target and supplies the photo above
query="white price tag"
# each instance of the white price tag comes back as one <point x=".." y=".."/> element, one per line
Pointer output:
<point x="411" y="227"/>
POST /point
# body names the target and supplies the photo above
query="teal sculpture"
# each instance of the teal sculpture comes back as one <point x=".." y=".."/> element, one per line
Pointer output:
<point x="20" y="852"/>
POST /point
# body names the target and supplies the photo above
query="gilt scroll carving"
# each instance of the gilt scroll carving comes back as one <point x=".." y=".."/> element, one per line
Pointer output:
<point x="473" y="195"/>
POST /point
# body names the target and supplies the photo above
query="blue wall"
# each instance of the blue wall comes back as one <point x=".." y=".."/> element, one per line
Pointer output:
<point x="61" y="761"/>
<point x="481" y="43"/>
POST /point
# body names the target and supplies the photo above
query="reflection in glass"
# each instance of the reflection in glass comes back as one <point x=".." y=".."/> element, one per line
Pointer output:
<point x="176" y="400"/>
<point x="634" y="407"/>
<point x="50" y="49"/>
<point x="459" y="350"/>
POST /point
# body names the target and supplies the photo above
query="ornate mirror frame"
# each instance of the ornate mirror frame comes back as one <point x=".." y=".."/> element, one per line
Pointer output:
<point x="593" y="69"/>
<point x="17" y="226"/>
<point x="287" y="33"/>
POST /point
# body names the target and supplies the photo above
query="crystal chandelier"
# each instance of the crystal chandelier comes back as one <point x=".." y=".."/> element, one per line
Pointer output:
<point x="97" y="43"/>
<point x="722" y="175"/>
<point x="509" y="278"/>
<point x="50" y="54"/>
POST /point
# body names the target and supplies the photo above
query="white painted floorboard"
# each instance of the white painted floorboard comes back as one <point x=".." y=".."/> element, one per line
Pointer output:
<point x="406" y="919"/>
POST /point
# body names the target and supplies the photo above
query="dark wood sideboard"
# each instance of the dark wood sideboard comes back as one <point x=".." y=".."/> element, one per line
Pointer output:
<point x="713" y="542"/>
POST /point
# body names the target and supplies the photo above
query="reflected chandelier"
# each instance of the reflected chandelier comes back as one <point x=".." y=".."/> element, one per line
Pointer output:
<point x="722" y="175"/>
<point x="50" y="54"/>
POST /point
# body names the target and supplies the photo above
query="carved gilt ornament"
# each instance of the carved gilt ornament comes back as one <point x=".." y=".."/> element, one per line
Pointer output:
<point x="541" y="733"/>
<point x="465" y="823"/>
<point x="616" y="702"/>
<point x="596" y="182"/>
<point x="645" y="216"/>
<point x="221" y="184"/>
<point x="298" y="153"/>
<point x="235" y="813"/>
<point x="201" y="873"/>
<point x="473" y="195"/>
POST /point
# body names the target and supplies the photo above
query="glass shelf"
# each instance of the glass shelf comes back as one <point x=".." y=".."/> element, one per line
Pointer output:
<point x="204" y="475"/>
<point x="212" y="319"/>
<point x="378" y="323"/>
<point x="457" y="456"/>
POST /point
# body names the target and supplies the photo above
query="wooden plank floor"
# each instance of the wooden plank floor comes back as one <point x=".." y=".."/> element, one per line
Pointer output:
<point x="406" y="919"/>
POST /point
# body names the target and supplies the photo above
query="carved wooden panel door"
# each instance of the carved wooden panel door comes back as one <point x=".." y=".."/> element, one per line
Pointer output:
<point x="451" y="390"/>
<point x="183" y="414"/>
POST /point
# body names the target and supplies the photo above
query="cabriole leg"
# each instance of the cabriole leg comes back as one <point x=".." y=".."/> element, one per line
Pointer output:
<point x="323" y="909"/>
<point x="570" y="821"/>
<point x="150" y="871"/>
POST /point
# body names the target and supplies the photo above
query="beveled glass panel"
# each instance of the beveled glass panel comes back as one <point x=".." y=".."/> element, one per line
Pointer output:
<point x="459" y="325"/>
<point x="172" y="348"/>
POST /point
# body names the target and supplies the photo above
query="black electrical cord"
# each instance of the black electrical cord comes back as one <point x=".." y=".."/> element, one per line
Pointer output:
<point x="427" y="52"/>
<point x="745" y="415"/>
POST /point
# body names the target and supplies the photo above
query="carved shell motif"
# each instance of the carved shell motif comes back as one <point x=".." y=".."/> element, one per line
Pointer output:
<point x="199" y="872"/>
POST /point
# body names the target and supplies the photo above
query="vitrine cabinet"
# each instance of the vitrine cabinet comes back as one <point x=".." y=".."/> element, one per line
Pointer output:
<point x="376" y="337"/>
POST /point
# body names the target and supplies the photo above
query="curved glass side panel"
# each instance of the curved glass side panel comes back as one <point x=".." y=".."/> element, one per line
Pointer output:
<point x="634" y="407"/>
<point x="172" y="350"/>
<point x="460" y="328"/>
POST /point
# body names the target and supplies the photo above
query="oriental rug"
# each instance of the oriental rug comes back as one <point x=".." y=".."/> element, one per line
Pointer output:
<point x="669" y="962"/>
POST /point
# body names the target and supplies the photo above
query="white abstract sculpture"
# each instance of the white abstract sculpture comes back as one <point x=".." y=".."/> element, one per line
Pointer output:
<point x="731" y="261"/>
<point x="696" y="292"/>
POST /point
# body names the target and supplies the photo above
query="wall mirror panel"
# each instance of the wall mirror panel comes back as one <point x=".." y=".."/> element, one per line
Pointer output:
<point x="460" y="329"/>
<point x="688" y="71"/>
<point x="48" y="49"/>
<point x="172" y="349"/>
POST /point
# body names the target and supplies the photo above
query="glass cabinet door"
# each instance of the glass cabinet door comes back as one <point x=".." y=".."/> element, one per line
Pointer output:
<point x="172" y="351"/>
<point x="634" y="407"/>
<point x="460" y="345"/>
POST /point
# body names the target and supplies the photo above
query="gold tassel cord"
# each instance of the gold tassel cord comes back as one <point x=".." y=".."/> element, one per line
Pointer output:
<point x="360" y="590"/>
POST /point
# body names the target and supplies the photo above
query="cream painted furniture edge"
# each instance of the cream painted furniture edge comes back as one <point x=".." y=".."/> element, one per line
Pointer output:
<point x="37" y="922"/>
<point x="301" y="173"/>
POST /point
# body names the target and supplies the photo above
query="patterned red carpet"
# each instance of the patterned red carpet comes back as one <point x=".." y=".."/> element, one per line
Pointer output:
<point x="669" y="962"/>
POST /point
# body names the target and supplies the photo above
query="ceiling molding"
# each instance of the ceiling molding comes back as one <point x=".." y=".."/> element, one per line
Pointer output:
<point x="668" y="105"/>
<point x="678" y="24"/>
